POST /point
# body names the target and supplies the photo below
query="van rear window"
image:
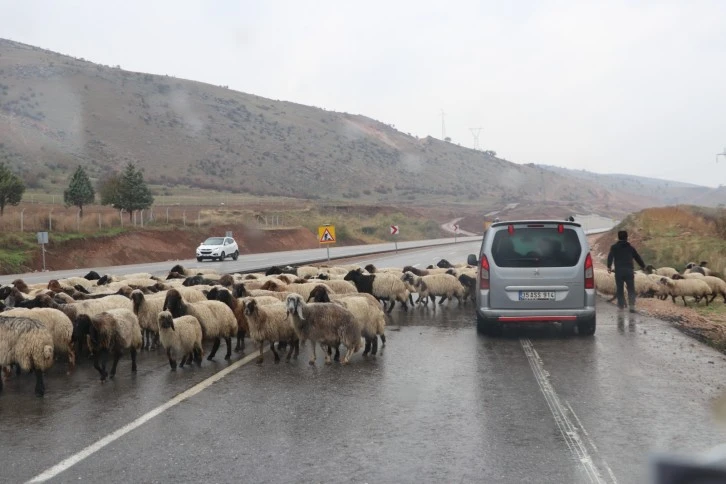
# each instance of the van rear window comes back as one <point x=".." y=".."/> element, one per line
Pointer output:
<point x="536" y="247"/>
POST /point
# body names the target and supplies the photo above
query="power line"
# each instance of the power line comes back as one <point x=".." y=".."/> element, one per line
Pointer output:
<point x="475" y="133"/>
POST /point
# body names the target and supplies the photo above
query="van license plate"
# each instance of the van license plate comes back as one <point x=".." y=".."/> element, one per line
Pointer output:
<point x="536" y="295"/>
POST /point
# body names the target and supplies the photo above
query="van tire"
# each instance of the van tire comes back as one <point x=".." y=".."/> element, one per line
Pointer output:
<point x="488" y="328"/>
<point x="587" y="327"/>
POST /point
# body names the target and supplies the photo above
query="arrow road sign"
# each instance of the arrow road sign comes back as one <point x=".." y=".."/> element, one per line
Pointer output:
<point x="394" y="229"/>
<point x="456" y="227"/>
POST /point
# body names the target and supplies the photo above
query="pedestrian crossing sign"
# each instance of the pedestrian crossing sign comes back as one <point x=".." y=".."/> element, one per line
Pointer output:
<point x="326" y="234"/>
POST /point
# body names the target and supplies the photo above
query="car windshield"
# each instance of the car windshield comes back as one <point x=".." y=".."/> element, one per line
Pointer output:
<point x="214" y="241"/>
<point x="536" y="247"/>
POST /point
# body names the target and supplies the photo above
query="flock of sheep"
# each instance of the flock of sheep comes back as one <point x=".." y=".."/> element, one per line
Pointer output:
<point x="696" y="281"/>
<point x="110" y="315"/>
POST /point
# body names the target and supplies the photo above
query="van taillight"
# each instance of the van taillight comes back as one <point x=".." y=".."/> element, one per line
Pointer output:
<point x="589" y="273"/>
<point x="484" y="273"/>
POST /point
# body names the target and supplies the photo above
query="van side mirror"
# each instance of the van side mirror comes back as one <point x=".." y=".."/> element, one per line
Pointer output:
<point x="472" y="260"/>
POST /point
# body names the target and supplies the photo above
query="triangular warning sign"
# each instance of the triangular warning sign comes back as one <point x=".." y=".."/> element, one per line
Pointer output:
<point x="326" y="237"/>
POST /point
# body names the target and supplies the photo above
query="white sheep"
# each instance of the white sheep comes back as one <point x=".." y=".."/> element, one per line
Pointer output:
<point x="181" y="337"/>
<point x="428" y="287"/>
<point x="217" y="319"/>
<point x="28" y="344"/>
<point x="717" y="285"/>
<point x="695" y="288"/>
<point x="270" y="323"/>
<point x="112" y="331"/>
<point x="383" y="286"/>
<point x="59" y="325"/>
<point x="147" y="309"/>
<point x="324" y="323"/>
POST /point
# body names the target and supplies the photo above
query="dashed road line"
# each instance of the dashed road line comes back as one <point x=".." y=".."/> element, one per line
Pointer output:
<point x="569" y="431"/>
<point x="100" y="444"/>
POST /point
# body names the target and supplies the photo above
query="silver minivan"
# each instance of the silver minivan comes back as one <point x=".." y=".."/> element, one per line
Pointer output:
<point x="535" y="271"/>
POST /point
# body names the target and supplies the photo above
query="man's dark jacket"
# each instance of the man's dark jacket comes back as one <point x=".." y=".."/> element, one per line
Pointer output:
<point x="624" y="254"/>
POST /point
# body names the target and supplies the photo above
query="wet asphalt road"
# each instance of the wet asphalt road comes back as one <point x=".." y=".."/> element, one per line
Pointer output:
<point x="439" y="404"/>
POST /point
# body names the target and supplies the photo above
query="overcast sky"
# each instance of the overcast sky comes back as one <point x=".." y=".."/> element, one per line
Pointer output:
<point x="611" y="86"/>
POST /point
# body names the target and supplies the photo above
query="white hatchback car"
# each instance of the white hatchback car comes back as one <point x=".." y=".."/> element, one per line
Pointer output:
<point x="218" y="248"/>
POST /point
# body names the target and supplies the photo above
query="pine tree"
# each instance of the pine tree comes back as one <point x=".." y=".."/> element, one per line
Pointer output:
<point x="11" y="188"/>
<point x="127" y="191"/>
<point x="80" y="191"/>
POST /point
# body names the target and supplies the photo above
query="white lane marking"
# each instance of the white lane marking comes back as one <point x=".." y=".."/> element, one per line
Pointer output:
<point x="569" y="432"/>
<point x="100" y="444"/>
<point x="590" y="441"/>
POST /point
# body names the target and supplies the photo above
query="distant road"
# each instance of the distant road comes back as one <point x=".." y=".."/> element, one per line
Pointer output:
<point x="449" y="227"/>
<point x="245" y="263"/>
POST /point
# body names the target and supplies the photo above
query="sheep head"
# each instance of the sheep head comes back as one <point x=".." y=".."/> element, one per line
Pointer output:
<point x="226" y="280"/>
<point x="212" y="293"/>
<point x="295" y="305"/>
<point x="271" y="286"/>
<point x="92" y="276"/>
<point x="223" y="295"/>
<point x="174" y="303"/>
<point x="250" y="306"/>
<point x="137" y="297"/>
<point x="21" y="286"/>
<point x="166" y="320"/>
<point x="319" y="294"/>
<point x="274" y="270"/>
<point x="179" y="269"/>
<point x="370" y="268"/>
<point x="444" y="264"/>
<point x="353" y="275"/>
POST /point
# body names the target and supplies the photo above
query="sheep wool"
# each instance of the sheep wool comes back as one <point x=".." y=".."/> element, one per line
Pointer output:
<point x="270" y="323"/>
<point x="27" y="343"/>
<point x="59" y="326"/>
<point x="180" y="337"/>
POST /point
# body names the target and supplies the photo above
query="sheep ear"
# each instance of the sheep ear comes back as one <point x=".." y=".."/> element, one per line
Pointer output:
<point x="298" y="308"/>
<point x="172" y="325"/>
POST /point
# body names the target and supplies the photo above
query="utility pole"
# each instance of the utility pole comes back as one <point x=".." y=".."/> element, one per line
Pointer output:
<point x="443" y="126"/>
<point x="475" y="133"/>
<point x="721" y="154"/>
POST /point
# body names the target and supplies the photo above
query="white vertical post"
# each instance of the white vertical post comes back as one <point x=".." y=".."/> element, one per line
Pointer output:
<point x="21" y="220"/>
<point x="141" y="217"/>
<point x="42" y="250"/>
<point x="78" y="221"/>
<point x="50" y="220"/>
<point x="99" y="220"/>
<point x="184" y="217"/>
<point x="167" y="215"/>
<point x="327" y="246"/>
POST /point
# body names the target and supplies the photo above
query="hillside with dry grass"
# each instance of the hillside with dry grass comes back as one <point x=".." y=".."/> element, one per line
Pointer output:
<point x="674" y="236"/>
<point x="57" y="112"/>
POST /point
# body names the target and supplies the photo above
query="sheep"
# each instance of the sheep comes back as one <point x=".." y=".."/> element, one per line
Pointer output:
<point x="111" y="331"/>
<point x="693" y="268"/>
<point x="341" y="287"/>
<point x="661" y="290"/>
<point x="666" y="271"/>
<point x="216" y="318"/>
<point x="59" y="325"/>
<point x="27" y="343"/>
<point x="381" y="286"/>
<point x="324" y="323"/>
<point x="706" y="270"/>
<point x="428" y="287"/>
<point x="469" y="284"/>
<point x="280" y="270"/>
<point x="92" y="276"/>
<point x="302" y="289"/>
<point x="605" y="283"/>
<point x="371" y="269"/>
<point x="147" y="310"/>
<point x="198" y="280"/>
<point x="716" y="284"/>
<point x="366" y="310"/>
<point x="180" y="336"/>
<point x="90" y="307"/>
<point x="303" y="271"/>
<point x="270" y="323"/>
<point x="686" y="287"/>
<point x="226" y="297"/>
<point x="76" y="281"/>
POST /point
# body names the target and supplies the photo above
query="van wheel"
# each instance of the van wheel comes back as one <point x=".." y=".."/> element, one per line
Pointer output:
<point x="235" y="255"/>
<point x="587" y="327"/>
<point x="221" y="257"/>
<point x="488" y="328"/>
<point x="199" y="259"/>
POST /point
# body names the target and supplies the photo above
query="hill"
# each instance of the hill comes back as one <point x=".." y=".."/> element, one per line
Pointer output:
<point x="665" y="192"/>
<point x="57" y="112"/>
<point x="674" y="236"/>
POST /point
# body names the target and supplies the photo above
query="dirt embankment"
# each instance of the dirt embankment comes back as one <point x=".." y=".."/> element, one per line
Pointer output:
<point x="165" y="245"/>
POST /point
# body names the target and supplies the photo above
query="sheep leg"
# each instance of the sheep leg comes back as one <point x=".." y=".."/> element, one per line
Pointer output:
<point x="410" y="299"/>
<point x="240" y="341"/>
<point x="348" y="353"/>
<point x="228" y="340"/>
<point x="684" y="300"/>
<point x="327" y="354"/>
<point x="116" y="357"/>
<point x="404" y="303"/>
<point x="197" y="353"/>
<point x="441" y="301"/>
<point x="297" y="348"/>
<point x="133" y="360"/>
<point x="383" y="339"/>
<point x="289" y="351"/>
<point x="184" y="360"/>
<point x="314" y="355"/>
<point x="393" y="303"/>
<point x="367" y="348"/>
<point x="260" y="358"/>
<point x="272" y="348"/>
<point x="374" y="345"/>
<point x="215" y="347"/>
<point x="172" y="361"/>
<point x="39" y="385"/>
<point x="102" y="366"/>
<point x="2" y="370"/>
<point x="71" y="358"/>
<point x="17" y="369"/>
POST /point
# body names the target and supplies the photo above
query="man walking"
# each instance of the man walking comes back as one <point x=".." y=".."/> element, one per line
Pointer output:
<point x="623" y="254"/>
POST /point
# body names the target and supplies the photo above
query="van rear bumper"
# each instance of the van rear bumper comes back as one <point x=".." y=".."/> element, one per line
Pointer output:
<point x="529" y="316"/>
